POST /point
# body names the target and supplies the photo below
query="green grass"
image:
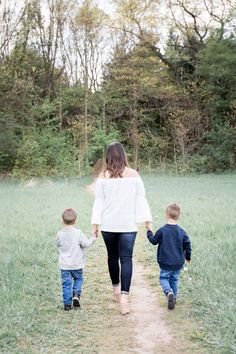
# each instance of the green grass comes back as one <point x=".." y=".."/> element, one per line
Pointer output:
<point x="208" y="214"/>
<point x="31" y="317"/>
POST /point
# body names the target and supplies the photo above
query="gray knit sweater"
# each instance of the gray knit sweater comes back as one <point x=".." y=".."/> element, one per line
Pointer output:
<point x="71" y="243"/>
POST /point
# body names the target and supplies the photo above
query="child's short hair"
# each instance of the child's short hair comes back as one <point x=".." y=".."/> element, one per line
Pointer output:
<point x="69" y="216"/>
<point x="173" y="211"/>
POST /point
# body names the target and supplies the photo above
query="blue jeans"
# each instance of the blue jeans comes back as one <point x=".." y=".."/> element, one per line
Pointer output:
<point x="120" y="248"/>
<point x="72" y="280"/>
<point x="169" y="281"/>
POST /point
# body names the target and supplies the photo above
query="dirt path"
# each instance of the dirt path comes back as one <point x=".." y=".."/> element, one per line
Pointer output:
<point x="151" y="331"/>
<point x="152" y="334"/>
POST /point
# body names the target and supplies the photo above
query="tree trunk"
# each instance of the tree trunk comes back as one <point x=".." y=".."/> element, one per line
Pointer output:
<point x="104" y="115"/>
<point x="86" y="91"/>
<point x="134" y="124"/>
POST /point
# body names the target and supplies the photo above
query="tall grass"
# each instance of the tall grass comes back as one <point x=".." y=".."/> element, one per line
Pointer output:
<point x="208" y="206"/>
<point x="31" y="318"/>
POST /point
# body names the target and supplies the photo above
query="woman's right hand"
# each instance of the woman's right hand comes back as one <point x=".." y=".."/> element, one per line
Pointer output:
<point x="95" y="230"/>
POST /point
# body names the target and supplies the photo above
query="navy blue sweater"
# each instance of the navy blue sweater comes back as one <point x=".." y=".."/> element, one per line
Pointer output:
<point x="174" y="246"/>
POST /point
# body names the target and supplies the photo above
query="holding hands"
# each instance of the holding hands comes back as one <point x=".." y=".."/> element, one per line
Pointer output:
<point x="95" y="230"/>
<point x="149" y="226"/>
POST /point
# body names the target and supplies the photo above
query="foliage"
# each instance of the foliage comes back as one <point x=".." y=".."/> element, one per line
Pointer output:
<point x="44" y="152"/>
<point x="167" y="107"/>
<point x="217" y="65"/>
<point x="98" y="143"/>
<point x="220" y="148"/>
<point x="16" y="96"/>
<point x="134" y="86"/>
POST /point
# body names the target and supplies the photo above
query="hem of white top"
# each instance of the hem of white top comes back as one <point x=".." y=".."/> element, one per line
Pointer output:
<point x="118" y="230"/>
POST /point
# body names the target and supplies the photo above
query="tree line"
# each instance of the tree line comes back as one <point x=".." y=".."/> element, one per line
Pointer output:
<point x="159" y="77"/>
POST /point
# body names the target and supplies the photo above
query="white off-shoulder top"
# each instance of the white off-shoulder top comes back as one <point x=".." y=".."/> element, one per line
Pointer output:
<point x="120" y="204"/>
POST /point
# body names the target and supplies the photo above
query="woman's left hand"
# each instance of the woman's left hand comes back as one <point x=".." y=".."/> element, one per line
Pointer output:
<point x="148" y="225"/>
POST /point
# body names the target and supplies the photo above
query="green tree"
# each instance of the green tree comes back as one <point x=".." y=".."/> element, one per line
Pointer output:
<point x="217" y="66"/>
<point x="131" y="84"/>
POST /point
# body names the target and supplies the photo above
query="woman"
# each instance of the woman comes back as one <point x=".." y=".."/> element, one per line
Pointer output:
<point x="119" y="205"/>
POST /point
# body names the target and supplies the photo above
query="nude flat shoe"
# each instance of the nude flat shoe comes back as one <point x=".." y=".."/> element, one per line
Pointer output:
<point x="124" y="304"/>
<point x="116" y="293"/>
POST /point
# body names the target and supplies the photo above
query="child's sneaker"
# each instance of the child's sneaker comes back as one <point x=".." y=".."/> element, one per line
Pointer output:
<point x="76" y="300"/>
<point x="67" y="307"/>
<point x="170" y="300"/>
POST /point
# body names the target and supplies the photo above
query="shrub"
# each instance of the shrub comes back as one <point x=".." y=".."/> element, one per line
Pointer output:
<point x="44" y="152"/>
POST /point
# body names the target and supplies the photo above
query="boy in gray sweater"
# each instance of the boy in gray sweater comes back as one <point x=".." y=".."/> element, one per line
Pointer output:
<point x="71" y="243"/>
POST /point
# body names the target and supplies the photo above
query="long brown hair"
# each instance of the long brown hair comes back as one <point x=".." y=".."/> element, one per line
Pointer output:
<point x="116" y="160"/>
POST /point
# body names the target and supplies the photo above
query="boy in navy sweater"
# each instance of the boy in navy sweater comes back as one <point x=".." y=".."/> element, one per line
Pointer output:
<point x="174" y="247"/>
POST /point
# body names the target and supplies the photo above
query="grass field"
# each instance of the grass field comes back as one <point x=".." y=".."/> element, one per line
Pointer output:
<point x="31" y="317"/>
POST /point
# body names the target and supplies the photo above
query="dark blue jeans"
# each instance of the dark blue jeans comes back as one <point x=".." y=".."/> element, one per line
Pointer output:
<point x="169" y="281"/>
<point x="72" y="281"/>
<point x="120" y="249"/>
